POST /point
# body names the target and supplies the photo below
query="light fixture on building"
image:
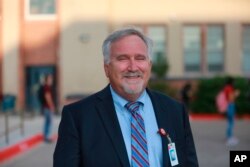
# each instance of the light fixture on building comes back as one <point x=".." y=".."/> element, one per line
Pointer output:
<point x="84" y="38"/>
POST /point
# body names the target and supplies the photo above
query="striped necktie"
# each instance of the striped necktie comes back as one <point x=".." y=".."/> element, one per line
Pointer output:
<point x="139" y="149"/>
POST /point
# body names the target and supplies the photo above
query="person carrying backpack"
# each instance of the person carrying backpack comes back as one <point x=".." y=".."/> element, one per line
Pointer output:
<point x="231" y="94"/>
<point x="221" y="102"/>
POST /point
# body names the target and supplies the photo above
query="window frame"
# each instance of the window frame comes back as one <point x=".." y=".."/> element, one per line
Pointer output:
<point x="145" y="27"/>
<point x="204" y="69"/>
<point x="244" y="72"/>
<point x="32" y="17"/>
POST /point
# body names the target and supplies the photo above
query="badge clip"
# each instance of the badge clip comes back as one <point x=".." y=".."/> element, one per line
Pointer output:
<point x="171" y="147"/>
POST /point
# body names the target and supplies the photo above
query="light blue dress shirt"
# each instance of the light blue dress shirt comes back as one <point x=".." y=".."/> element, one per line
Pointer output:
<point x="147" y="112"/>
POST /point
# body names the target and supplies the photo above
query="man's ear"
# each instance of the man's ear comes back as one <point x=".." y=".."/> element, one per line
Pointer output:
<point x="150" y="63"/>
<point x="106" y="69"/>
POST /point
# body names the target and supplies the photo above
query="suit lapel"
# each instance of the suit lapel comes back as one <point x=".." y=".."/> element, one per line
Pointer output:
<point x="163" y="117"/>
<point x="107" y="113"/>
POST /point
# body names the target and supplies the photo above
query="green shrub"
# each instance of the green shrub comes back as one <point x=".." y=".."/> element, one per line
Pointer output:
<point x="160" y="66"/>
<point x="163" y="87"/>
<point x="204" y="98"/>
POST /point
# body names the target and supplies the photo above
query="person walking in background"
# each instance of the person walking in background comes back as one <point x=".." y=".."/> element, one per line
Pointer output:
<point x="186" y="94"/>
<point x="231" y="94"/>
<point x="40" y="94"/>
<point x="48" y="107"/>
<point x="125" y="124"/>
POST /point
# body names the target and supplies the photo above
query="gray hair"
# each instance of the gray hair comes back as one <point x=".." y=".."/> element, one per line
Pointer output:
<point x="116" y="35"/>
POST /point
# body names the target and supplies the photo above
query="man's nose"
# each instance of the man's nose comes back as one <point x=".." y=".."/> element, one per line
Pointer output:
<point x="132" y="66"/>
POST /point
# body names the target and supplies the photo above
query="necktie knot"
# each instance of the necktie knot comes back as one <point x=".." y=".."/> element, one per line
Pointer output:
<point x="133" y="107"/>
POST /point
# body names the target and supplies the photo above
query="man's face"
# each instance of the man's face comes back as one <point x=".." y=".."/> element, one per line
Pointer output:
<point x="129" y="68"/>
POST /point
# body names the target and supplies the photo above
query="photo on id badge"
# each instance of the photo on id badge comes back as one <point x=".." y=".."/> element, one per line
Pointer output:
<point x="172" y="155"/>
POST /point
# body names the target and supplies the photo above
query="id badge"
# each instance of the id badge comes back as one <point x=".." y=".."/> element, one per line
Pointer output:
<point x="172" y="154"/>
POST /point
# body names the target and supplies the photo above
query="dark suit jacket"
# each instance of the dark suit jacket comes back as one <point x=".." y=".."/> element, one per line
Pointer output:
<point x="90" y="134"/>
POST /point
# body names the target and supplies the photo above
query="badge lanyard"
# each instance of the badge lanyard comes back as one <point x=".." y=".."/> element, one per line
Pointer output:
<point x="171" y="148"/>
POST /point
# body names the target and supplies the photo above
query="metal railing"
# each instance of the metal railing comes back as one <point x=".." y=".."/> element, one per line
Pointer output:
<point x="7" y="110"/>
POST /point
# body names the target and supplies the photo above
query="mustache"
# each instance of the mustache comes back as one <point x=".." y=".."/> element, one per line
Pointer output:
<point x="133" y="74"/>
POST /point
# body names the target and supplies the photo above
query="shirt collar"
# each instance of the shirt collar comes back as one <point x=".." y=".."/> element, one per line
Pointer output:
<point x="121" y="102"/>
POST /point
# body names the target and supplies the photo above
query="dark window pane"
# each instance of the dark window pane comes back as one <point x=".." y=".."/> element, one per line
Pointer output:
<point x="192" y="68"/>
<point x="215" y="48"/>
<point x="42" y="6"/>
<point x="215" y="67"/>
<point x="246" y="49"/>
<point x="192" y="48"/>
<point x="158" y="35"/>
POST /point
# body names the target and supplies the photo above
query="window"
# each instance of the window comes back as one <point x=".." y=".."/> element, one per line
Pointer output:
<point x="192" y="48"/>
<point x="203" y="48"/>
<point x="158" y="35"/>
<point x="40" y="9"/>
<point x="215" y="49"/>
<point x="246" y="49"/>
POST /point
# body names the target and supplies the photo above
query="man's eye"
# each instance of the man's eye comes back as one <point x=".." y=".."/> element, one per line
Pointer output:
<point x="121" y="58"/>
<point x="141" y="58"/>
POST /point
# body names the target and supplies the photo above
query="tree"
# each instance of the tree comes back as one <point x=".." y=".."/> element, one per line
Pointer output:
<point x="160" y="65"/>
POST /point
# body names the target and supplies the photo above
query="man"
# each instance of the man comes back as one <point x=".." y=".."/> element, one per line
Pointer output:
<point x="48" y="107"/>
<point x="118" y="126"/>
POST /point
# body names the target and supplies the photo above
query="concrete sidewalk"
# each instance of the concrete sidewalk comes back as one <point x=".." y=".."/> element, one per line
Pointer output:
<point x="209" y="135"/>
<point x="209" y="138"/>
<point x="210" y="141"/>
<point x="18" y="142"/>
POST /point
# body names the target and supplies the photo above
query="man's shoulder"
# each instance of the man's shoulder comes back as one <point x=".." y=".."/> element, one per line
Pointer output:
<point x="89" y="101"/>
<point x="166" y="103"/>
<point x="161" y="97"/>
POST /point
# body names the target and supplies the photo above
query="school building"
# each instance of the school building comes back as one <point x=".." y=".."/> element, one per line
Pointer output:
<point x="199" y="38"/>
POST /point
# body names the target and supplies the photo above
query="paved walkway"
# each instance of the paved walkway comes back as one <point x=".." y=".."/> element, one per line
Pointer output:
<point x="210" y="141"/>
<point x="209" y="138"/>
<point x="32" y="125"/>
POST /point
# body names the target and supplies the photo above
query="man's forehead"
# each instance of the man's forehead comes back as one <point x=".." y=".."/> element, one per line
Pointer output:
<point x="129" y="37"/>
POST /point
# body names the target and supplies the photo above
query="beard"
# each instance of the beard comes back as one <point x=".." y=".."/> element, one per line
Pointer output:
<point x="133" y="87"/>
